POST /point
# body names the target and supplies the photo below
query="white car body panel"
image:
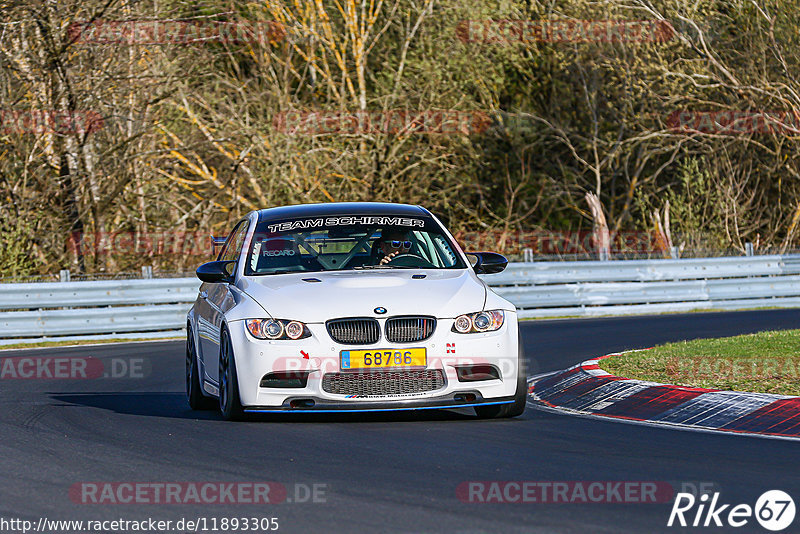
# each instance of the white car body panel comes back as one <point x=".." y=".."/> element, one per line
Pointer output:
<point x="442" y="293"/>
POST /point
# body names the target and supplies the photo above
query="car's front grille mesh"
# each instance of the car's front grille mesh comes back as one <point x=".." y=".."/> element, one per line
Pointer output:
<point x="383" y="384"/>
<point x="409" y="329"/>
<point x="356" y="331"/>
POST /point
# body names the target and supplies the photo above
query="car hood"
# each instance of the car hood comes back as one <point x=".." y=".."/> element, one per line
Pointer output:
<point x="441" y="293"/>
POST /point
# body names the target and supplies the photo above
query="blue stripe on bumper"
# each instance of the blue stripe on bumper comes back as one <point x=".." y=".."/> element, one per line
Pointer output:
<point x="357" y="410"/>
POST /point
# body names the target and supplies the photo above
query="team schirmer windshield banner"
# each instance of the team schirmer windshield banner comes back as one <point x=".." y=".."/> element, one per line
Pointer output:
<point x="344" y="221"/>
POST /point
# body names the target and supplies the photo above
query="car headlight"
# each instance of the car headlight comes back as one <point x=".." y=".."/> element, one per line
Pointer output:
<point x="276" y="329"/>
<point x="485" y="321"/>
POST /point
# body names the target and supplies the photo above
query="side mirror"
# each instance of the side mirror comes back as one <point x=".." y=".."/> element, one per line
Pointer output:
<point x="488" y="262"/>
<point x="215" y="272"/>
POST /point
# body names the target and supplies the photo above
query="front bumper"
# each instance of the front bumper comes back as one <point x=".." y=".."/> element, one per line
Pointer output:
<point x="319" y="354"/>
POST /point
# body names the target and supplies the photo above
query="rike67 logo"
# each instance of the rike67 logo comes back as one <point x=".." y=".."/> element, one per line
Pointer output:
<point x="774" y="510"/>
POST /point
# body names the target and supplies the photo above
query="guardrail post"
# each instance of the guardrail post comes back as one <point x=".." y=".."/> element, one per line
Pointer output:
<point x="527" y="255"/>
<point x="748" y="249"/>
<point x="63" y="275"/>
<point x="147" y="271"/>
<point x="675" y="253"/>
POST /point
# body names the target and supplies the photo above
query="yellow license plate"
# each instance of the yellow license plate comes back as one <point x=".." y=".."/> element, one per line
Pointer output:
<point x="382" y="358"/>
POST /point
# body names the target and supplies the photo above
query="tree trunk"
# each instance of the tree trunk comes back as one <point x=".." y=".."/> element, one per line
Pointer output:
<point x="600" y="236"/>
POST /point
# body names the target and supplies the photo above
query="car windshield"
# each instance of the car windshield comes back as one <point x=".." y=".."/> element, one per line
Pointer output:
<point x="350" y="243"/>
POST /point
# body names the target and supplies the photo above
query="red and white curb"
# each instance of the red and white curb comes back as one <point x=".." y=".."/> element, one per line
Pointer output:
<point x="586" y="389"/>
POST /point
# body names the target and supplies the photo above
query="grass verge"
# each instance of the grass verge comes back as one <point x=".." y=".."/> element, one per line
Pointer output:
<point x="766" y="362"/>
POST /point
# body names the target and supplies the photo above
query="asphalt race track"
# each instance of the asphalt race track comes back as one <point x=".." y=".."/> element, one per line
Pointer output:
<point x="379" y="472"/>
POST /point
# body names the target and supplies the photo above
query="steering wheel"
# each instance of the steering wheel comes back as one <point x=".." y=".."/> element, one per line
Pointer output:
<point x="410" y="260"/>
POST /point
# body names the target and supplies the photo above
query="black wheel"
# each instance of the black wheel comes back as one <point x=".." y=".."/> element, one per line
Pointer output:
<point x="197" y="401"/>
<point x="230" y="404"/>
<point x="499" y="411"/>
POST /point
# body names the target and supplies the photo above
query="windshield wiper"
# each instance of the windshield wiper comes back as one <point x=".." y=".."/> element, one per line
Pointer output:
<point x="282" y="271"/>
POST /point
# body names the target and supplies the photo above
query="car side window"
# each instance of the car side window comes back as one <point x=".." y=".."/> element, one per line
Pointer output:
<point x="233" y="246"/>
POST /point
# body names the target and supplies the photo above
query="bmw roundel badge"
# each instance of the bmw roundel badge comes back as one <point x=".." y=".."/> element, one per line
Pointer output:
<point x="380" y="310"/>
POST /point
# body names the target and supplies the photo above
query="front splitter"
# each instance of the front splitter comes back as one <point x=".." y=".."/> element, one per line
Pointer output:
<point x="382" y="406"/>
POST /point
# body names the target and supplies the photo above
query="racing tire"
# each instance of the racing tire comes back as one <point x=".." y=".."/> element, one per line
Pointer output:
<point x="516" y="408"/>
<point x="230" y="404"/>
<point x="194" y="395"/>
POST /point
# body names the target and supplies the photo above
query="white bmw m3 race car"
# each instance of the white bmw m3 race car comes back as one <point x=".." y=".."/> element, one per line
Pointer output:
<point x="351" y="307"/>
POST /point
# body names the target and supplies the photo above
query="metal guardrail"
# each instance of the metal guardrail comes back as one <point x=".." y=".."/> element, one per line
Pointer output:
<point x="100" y="307"/>
<point x="98" y="293"/>
<point x="592" y="288"/>
<point x="539" y="289"/>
